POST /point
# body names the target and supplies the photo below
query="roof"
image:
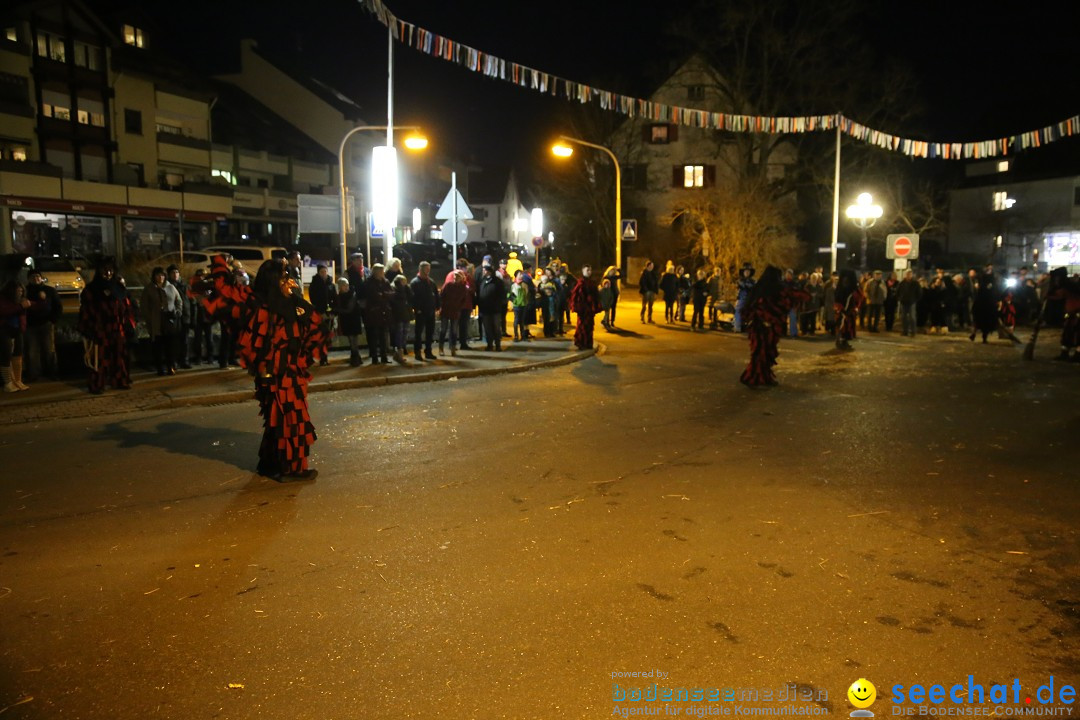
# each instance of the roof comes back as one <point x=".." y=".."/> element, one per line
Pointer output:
<point x="333" y="97"/>
<point x="241" y="120"/>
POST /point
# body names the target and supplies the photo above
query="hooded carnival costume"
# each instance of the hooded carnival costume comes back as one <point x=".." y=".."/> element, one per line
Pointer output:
<point x="280" y="336"/>
<point x="585" y="301"/>
<point x="847" y="300"/>
<point x="764" y="313"/>
<point x="106" y="323"/>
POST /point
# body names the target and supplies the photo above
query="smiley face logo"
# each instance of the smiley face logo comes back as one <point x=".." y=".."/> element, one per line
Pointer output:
<point x="862" y="693"/>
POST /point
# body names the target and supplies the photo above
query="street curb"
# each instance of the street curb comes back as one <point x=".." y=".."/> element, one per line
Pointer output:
<point x="236" y="396"/>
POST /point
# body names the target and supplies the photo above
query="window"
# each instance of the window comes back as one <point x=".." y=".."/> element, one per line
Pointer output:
<point x="1003" y="166"/>
<point x="84" y="117"/>
<point x="14" y="89"/>
<point x="264" y="183"/>
<point x="635" y="177"/>
<point x="11" y="34"/>
<point x="658" y="134"/>
<point x="50" y="46"/>
<point x="225" y="175"/>
<point x="132" y="121"/>
<point x="87" y="56"/>
<point x="133" y="36"/>
<point x="1002" y="201"/>
<point x="693" y="176"/>
<point x="61" y="113"/>
<point x="695" y="92"/>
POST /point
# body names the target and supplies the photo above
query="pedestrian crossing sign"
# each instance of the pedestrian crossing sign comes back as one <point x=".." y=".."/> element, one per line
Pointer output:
<point x="629" y="229"/>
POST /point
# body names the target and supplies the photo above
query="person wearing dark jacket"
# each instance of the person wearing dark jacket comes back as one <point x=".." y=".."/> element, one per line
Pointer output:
<point x="985" y="306"/>
<point x="648" y="286"/>
<point x="321" y="290"/>
<point x="377" y="313"/>
<point x="13" y="308"/>
<point x="669" y="285"/>
<point x="425" y="301"/>
<point x="452" y="300"/>
<point x="491" y="301"/>
<point x="400" y="316"/>
<point x="187" y="317"/>
<point x="41" y="318"/>
<point x="350" y="321"/>
<point x="699" y="295"/>
<point x="908" y="293"/>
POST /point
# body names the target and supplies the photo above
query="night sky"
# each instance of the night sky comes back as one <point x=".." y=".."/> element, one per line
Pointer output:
<point x="981" y="74"/>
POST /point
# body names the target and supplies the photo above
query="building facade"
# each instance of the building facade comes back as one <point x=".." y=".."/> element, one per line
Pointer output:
<point x="1015" y="221"/>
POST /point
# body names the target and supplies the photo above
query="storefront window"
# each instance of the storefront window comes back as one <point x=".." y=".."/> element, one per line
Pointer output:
<point x="78" y="236"/>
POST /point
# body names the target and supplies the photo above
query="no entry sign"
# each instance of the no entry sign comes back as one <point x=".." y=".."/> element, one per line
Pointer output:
<point x="902" y="246"/>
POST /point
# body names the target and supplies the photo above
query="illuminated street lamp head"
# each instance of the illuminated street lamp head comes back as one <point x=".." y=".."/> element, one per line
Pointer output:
<point x="562" y="150"/>
<point x="415" y="141"/>
<point x="864" y="208"/>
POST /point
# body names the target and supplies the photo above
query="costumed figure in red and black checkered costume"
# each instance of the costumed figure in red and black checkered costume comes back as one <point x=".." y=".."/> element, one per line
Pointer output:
<point x="107" y="324"/>
<point x="847" y="300"/>
<point x="764" y="317"/>
<point x="280" y="337"/>
<point x="585" y="301"/>
<point x="1062" y="287"/>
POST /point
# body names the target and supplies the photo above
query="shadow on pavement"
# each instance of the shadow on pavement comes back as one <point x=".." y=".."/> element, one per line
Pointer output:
<point x="222" y="444"/>
<point x="596" y="372"/>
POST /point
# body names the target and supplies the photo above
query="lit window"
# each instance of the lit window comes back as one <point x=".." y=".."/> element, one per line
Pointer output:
<point x="11" y="35"/>
<point x="133" y="36"/>
<point x="84" y="117"/>
<point x="658" y="134"/>
<point x="1002" y="201"/>
<point x="61" y="113"/>
<point x="1003" y="166"/>
<point x="693" y="176"/>
<point x="225" y="175"/>
<point x="97" y="119"/>
<point x="56" y="49"/>
<point x="46" y="109"/>
<point x="18" y="154"/>
<point x="42" y="45"/>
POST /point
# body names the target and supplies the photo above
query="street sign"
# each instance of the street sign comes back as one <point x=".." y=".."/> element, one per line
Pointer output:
<point x="538" y="242"/>
<point x="446" y="210"/>
<point x="322" y="213"/>
<point x="373" y="232"/>
<point x="629" y="229"/>
<point x="904" y="246"/>
<point x="448" y="233"/>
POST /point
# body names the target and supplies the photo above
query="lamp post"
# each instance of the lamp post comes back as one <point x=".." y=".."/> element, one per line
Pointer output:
<point x="565" y="151"/>
<point x="865" y="213"/>
<point x="416" y="141"/>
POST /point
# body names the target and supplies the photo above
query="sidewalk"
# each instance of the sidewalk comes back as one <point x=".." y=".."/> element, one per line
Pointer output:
<point x="209" y="385"/>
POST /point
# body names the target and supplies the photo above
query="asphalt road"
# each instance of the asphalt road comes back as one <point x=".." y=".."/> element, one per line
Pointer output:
<point x="498" y="547"/>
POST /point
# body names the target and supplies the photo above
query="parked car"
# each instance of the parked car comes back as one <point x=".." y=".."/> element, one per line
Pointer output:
<point x="475" y="250"/>
<point x="248" y="254"/>
<point x="425" y="252"/>
<point x="65" y="274"/>
<point x="138" y="274"/>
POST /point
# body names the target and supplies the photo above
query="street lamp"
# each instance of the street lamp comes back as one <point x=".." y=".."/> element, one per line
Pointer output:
<point x="414" y="141"/>
<point x="865" y="213"/>
<point x="564" y="151"/>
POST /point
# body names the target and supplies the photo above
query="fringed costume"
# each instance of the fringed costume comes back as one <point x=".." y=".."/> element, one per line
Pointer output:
<point x="764" y="315"/>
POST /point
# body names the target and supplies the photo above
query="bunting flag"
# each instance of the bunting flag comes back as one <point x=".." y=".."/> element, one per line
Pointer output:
<point x="497" y="68"/>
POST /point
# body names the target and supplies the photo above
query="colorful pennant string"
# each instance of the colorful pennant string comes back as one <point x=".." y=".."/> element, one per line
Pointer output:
<point x="497" y="68"/>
